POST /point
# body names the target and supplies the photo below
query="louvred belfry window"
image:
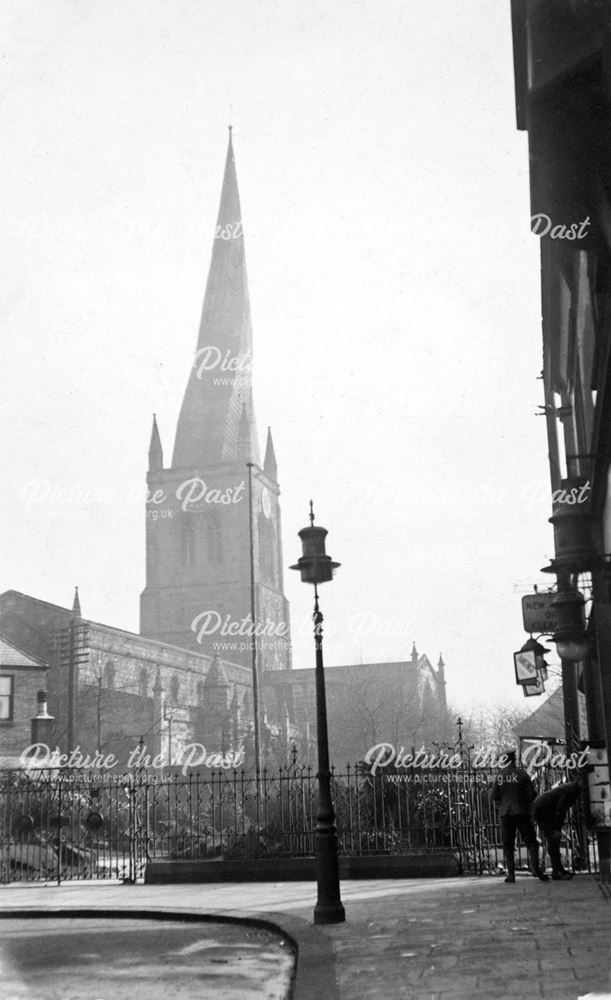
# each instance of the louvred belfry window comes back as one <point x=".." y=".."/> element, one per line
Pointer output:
<point x="215" y="538"/>
<point x="187" y="541"/>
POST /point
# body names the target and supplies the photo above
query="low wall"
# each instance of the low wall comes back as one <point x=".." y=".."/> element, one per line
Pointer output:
<point x="301" y="869"/>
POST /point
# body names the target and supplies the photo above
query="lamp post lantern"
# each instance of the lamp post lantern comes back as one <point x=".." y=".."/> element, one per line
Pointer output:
<point x="570" y="636"/>
<point x="315" y="567"/>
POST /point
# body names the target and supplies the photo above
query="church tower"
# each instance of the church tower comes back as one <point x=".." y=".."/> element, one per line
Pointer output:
<point x="213" y="530"/>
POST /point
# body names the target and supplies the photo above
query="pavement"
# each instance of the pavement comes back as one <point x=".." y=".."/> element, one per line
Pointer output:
<point x="463" y="938"/>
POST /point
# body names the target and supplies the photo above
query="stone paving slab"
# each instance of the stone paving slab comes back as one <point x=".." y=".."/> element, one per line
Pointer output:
<point x="532" y="939"/>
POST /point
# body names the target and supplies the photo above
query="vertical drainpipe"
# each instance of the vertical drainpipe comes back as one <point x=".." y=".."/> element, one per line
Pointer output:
<point x="569" y="670"/>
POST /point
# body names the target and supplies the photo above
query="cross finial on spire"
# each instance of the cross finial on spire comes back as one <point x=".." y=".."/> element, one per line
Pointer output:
<point x="312" y="513"/>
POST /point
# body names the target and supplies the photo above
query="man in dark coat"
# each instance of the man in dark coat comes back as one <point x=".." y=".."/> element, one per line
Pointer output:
<point x="514" y="794"/>
<point x="549" y="812"/>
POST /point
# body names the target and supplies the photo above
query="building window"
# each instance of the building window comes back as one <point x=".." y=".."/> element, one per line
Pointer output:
<point x="200" y="692"/>
<point x="215" y="539"/>
<point x="187" y="542"/>
<point x="7" y="691"/>
<point x="143" y="682"/>
<point x="174" y="690"/>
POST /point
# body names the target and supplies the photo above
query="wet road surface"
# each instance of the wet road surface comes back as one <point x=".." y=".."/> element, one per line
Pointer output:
<point x="134" y="958"/>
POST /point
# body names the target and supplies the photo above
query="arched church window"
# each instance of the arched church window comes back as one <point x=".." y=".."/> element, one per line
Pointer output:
<point x="187" y="541"/>
<point x="215" y="538"/>
<point x="200" y="692"/>
<point x="143" y="682"/>
<point x="109" y="675"/>
<point x="174" y="690"/>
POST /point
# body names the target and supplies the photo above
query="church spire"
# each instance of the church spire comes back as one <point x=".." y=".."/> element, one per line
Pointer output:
<point x="219" y="386"/>
<point x="76" y="606"/>
<point x="155" y="449"/>
<point x="270" y="466"/>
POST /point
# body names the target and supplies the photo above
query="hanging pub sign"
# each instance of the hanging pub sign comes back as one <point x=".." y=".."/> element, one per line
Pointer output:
<point x="538" y="615"/>
<point x="531" y="690"/>
<point x="525" y="663"/>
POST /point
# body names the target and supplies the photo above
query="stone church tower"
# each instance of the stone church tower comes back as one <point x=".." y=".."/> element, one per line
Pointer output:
<point x="213" y="530"/>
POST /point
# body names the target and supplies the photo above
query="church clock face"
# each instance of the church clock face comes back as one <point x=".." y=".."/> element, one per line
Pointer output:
<point x="266" y="503"/>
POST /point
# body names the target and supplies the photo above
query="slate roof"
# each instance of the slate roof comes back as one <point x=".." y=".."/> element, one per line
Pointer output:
<point x="12" y="655"/>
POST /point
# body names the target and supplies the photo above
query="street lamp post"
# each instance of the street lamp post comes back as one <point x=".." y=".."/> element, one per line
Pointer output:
<point x="316" y="567"/>
<point x="253" y="615"/>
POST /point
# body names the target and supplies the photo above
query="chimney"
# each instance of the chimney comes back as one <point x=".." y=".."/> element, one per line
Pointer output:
<point x="43" y="724"/>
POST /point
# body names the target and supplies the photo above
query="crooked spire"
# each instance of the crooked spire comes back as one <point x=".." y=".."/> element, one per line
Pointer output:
<point x="220" y="383"/>
<point x="244" y="437"/>
<point x="155" y="449"/>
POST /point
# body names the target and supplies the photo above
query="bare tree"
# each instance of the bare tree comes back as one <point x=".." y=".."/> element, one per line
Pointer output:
<point x="493" y="726"/>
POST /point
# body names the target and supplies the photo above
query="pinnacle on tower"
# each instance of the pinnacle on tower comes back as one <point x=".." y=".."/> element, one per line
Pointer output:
<point x="155" y="449"/>
<point x="270" y="466"/>
<point x="441" y="671"/>
<point x="441" y="681"/>
<point x="76" y="605"/>
<point x="216" y="676"/>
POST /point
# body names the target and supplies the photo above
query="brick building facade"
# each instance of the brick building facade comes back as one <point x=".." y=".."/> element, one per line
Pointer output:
<point x="22" y="676"/>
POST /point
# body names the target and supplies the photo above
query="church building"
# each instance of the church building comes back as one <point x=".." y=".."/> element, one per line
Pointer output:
<point x="213" y="614"/>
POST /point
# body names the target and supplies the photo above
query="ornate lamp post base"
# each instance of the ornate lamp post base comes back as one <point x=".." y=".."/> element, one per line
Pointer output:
<point x="327" y="913"/>
<point x="329" y="908"/>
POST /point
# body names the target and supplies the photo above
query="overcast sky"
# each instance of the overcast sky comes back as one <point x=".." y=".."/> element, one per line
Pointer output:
<point x="394" y="289"/>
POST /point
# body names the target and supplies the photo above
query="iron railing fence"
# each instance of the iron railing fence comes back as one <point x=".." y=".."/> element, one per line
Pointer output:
<point x="71" y="825"/>
<point x="92" y="825"/>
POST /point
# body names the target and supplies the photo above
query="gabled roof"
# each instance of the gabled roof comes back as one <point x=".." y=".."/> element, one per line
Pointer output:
<point x="38" y="600"/>
<point x="340" y="673"/>
<point x="144" y="640"/>
<point x="12" y="655"/>
<point x="547" y="720"/>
